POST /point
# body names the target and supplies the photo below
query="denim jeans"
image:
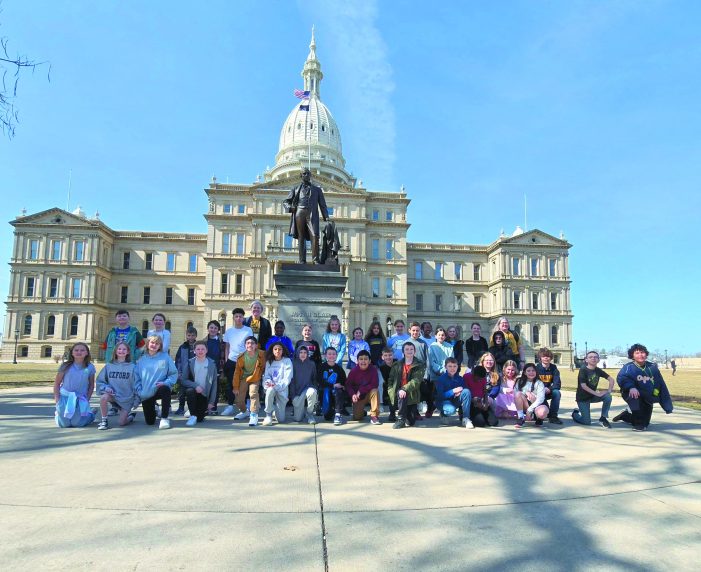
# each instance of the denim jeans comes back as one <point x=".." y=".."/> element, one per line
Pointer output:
<point x="584" y="415"/>
<point x="554" y="404"/>
<point x="450" y="406"/>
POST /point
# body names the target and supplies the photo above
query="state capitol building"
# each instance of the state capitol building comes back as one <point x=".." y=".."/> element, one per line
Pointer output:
<point x="70" y="273"/>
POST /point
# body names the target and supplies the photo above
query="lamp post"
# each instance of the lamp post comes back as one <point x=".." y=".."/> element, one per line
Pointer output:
<point x="665" y="360"/>
<point x="389" y="327"/>
<point x="14" y="361"/>
<point x="586" y="348"/>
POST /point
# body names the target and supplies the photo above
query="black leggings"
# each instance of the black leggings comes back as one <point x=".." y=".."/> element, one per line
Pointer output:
<point x="196" y="403"/>
<point x="641" y="411"/>
<point x="149" y="405"/>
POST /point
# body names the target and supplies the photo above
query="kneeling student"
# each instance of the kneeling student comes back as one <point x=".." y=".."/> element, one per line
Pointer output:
<point x="250" y="366"/>
<point x="482" y="406"/>
<point x="115" y="384"/>
<point x="302" y="387"/>
<point x="361" y="384"/>
<point x="73" y="388"/>
<point x="530" y="397"/>
<point x="331" y="381"/>
<point x="276" y="381"/>
<point x="587" y="392"/>
<point x="452" y="394"/>
<point x="550" y="376"/>
<point x="200" y="384"/>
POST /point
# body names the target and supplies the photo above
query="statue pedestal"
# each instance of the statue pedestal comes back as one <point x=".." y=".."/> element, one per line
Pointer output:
<point x="309" y="293"/>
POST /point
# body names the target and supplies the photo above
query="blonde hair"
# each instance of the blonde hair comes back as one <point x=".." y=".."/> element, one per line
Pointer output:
<point x="154" y="339"/>
<point x="492" y="376"/>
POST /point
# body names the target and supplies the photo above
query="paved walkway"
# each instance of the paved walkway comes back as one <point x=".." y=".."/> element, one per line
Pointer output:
<point x="298" y="497"/>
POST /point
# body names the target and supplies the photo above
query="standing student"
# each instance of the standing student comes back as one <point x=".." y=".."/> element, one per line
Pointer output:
<point x="73" y="388"/>
<point x="200" y="384"/>
<point x="420" y="346"/>
<point x="250" y="366"/>
<point x="116" y="385"/>
<point x="331" y="381"/>
<point x="303" y="386"/>
<point x="234" y="346"/>
<point x="451" y="338"/>
<point x="550" y="376"/>
<point x="396" y="341"/>
<point x="452" y="394"/>
<point x="215" y="345"/>
<point x="673" y="365"/>
<point x="475" y="345"/>
<point x="280" y="336"/>
<point x="588" y="392"/>
<point x="376" y="341"/>
<point x="362" y="386"/>
<point x="426" y="330"/>
<point x="159" y="329"/>
<point x="512" y="339"/>
<point x="260" y="326"/>
<point x="355" y="346"/>
<point x="276" y="382"/>
<point x="405" y="386"/>
<point x="530" y="397"/>
<point x="182" y="359"/>
<point x="313" y="347"/>
<point x="501" y="350"/>
<point x="385" y="368"/>
<point x="438" y="352"/>
<point x="504" y="403"/>
<point x="642" y="386"/>
<point x="155" y="374"/>
<point x="482" y="405"/>
<point x="335" y="338"/>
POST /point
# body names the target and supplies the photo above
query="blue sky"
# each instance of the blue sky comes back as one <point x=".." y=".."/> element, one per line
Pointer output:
<point x="589" y="108"/>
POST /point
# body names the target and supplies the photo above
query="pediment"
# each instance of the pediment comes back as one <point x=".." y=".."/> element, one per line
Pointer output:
<point x="535" y="237"/>
<point x="53" y="216"/>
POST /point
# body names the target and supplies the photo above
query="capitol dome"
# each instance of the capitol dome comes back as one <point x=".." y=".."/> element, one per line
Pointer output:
<point x="310" y="136"/>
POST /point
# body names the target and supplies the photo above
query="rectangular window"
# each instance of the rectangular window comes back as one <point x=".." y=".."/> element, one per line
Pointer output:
<point x="55" y="250"/>
<point x="76" y="284"/>
<point x="126" y="258"/>
<point x="478" y="304"/>
<point x="375" y="287"/>
<point x="458" y="271"/>
<point x="170" y="262"/>
<point x="439" y="302"/>
<point x="553" y="300"/>
<point x="516" y="266"/>
<point x="169" y="295"/>
<point x="419" y="270"/>
<point x="534" y="300"/>
<point x="241" y="209"/>
<point x="147" y="294"/>
<point x="149" y="261"/>
<point x="389" y="250"/>
<point x="287" y="241"/>
<point x="457" y="302"/>
<point x="238" y="285"/>
<point x="438" y="273"/>
<point x="534" y="267"/>
<point x="51" y="326"/>
<point x="330" y="210"/>
<point x="192" y="266"/>
<point x="476" y="272"/>
<point x="225" y="242"/>
<point x="389" y="216"/>
<point x="79" y="251"/>
<point x="31" y="281"/>
<point x="190" y="296"/>
<point x="53" y="287"/>
<point x="375" y="248"/>
<point x="33" y="250"/>
<point x="552" y="267"/>
<point x="419" y="302"/>
<point x="124" y="295"/>
<point x="227" y="208"/>
<point x="389" y="287"/>
<point x="517" y="300"/>
<point x="554" y="335"/>
<point x="224" y="286"/>
<point x="144" y="329"/>
<point x="240" y="243"/>
<point x="535" y="338"/>
<point x="375" y="214"/>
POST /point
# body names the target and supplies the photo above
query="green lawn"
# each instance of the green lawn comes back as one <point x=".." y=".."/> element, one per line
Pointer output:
<point x="24" y="374"/>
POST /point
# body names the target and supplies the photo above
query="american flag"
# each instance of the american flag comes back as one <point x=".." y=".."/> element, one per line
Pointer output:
<point x="300" y="94"/>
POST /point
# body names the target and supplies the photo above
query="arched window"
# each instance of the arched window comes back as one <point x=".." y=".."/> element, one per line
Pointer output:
<point x="50" y="326"/>
<point x="554" y="335"/>
<point x="144" y="328"/>
<point x="27" y="328"/>
<point x="536" y="335"/>
<point x="74" y="326"/>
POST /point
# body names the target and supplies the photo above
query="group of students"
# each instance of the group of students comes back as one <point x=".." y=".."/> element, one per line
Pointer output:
<point x="256" y="362"/>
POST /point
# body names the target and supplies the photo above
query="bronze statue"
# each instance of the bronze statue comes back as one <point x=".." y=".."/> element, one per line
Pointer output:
<point x="304" y="203"/>
<point x="330" y="245"/>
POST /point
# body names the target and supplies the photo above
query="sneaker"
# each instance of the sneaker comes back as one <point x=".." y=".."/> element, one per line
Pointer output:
<point x="468" y="424"/>
<point x="398" y="424"/>
<point x="228" y="410"/>
<point x="268" y="420"/>
<point x="112" y="411"/>
<point x="213" y="412"/>
<point x="619" y="417"/>
<point x="190" y="422"/>
<point x="253" y="420"/>
<point x="638" y="428"/>
<point x="311" y="420"/>
<point x="392" y="417"/>
<point x="165" y="424"/>
<point x="338" y="419"/>
<point x="179" y="412"/>
<point x="555" y="420"/>
<point x="103" y="425"/>
<point x="375" y="420"/>
<point x="520" y="423"/>
<point x="538" y="422"/>
<point x="575" y="411"/>
<point x="131" y="417"/>
<point x="241" y="415"/>
<point x="604" y="422"/>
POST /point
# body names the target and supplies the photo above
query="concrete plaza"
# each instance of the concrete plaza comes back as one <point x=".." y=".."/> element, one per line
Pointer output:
<point x="301" y="497"/>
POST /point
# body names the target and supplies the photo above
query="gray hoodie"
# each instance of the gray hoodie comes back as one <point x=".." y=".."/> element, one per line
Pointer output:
<point x="303" y="376"/>
<point x="119" y="377"/>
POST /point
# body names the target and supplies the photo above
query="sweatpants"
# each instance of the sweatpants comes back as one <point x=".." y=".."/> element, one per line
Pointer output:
<point x="309" y="395"/>
<point x="229" y="369"/>
<point x="640" y="410"/>
<point x="359" y="406"/>
<point x="149" y="405"/>
<point x="275" y="401"/>
<point x="584" y="415"/>
<point x="252" y="393"/>
<point x="196" y="403"/>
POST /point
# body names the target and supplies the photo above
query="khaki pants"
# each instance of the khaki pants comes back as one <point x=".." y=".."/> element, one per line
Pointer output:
<point x="359" y="407"/>
<point x="252" y="394"/>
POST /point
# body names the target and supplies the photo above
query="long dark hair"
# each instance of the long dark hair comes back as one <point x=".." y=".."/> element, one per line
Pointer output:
<point x="523" y="379"/>
<point x="269" y="352"/>
<point x="371" y="335"/>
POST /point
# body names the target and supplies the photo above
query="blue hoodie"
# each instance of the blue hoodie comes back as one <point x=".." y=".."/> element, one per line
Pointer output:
<point x="445" y="385"/>
<point x="648" y="381"/>
<point x="151" y="370"/>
